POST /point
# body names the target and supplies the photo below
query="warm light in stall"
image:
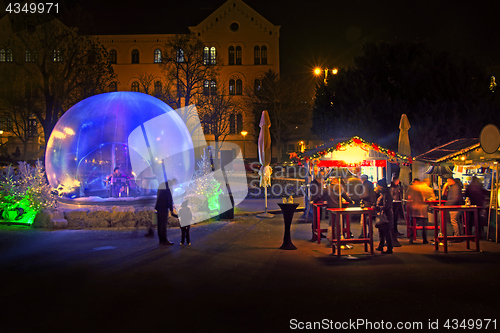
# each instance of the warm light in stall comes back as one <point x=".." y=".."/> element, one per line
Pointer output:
<point x="352" y="155"/>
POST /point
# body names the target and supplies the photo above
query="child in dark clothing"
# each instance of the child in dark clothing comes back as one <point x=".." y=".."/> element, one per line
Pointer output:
<point x="185" y="218"/>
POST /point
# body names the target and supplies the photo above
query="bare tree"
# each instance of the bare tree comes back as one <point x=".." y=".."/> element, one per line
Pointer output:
<point x="285" y="100"/>
<point x="187" y="69"/>
<point x="64" y="66"/>
<point x="146" y="83"/>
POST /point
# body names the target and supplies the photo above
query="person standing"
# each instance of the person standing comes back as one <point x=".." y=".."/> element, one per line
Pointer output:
<point x="164" y="205"/>
<point x="397" y="207"/>
<point x="367" y="198"/>
<point x="477" y="194"/>
<point x="185" y="217"/>
<point x="454" y="198"/>
<point x="384" y="204"/>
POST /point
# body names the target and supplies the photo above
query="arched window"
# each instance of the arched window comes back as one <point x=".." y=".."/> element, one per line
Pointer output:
<point x="157" y="56"/>
<point x="232" y="87"/>
<point x="180" y="55"/>
<point x="238" y="55"/>
<point x="263" y="55"/>
<point x="257" y="85"/>
<point x="206" y="87"/>
<point x="213" y="87"/>
<point x="231" y="55"/>
<point x="256" y="55"/>
<point x="239" y="87"/>
<point x="8" y="56"/>
<point x="113" y="56"/>
<point x="57" y="57"/>
<point x="206" y="55"/>
<point x="135" y="56"/>
<point x="158" y="89"/>
<point x="207" y="125"/>
<point x="239" y="123"/>
<point x="135" y="86"/>
<point x="27" y="56"/>
<point x="2" y="55"/>
<point x="213" y="56"/>
<point x="232" y="124"/>
<point x="113" y="86"/>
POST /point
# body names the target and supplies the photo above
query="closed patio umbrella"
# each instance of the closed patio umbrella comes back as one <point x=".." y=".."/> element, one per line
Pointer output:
<point x="404" y="148"/>
<point x="264" y="147"/>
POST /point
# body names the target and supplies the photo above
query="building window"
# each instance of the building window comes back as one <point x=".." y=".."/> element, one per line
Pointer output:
<point x="158" y="89"/>
<point x="157" y="56"/>
<point x="28" y="57"/>
<point x="238" y="55"/>
<point x="213" y="87"/>
<point x="206" y="87"/>
<point x="207" y="125"/>
<point x="256" y="55"/>
<point x="135" y="86"/>
<point x="113" y="56"/>
<point x="263" y="55"/>
<point x="239" y="123"/>
<point x="213" y="56"/>
<point x="8" y="56"/>
<point x="57" y="56"/>
<point x="180" y="55"/>
<point x="113" y="86"/>
<point x="231" y="55"/>
<point x="257" y="85"/>
<point x="206" y="55"/>
<point x="209" y="55"/>
<point x="32" y="127"/>
<point x="2" y="55"/>
<point x="232" y="87"/>
<point x="135" y="56"/>
<point x="232" y="124"/>
<point x="239" y="87"/>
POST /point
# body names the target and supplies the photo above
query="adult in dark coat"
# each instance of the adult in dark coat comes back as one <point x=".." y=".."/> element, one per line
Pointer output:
<point x="477" y="194"/>
<point x="164" y="204"/>
<point x="397" y="207"/>
<point x="384" y="205"/>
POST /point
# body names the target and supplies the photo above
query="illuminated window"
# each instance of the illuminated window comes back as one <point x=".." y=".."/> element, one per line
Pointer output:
<point x="232" y="87"/>
<point x="256" y="55"/>
<point x="32" y="127"/>
<point x="57" y="56"/>
<point x="135" y="86"/>
<point x="213" y="56"/>
<point x="207" y="125"/>
<point x="113" y="56"/>
<point x="213" y="87"/>
<point x="206" y="87"/>
<point x="231" y="55"/>
<point x="238" y="55"/>
<point x="8" y="56"/>
<point x="157" y="56"/>
<point x="263" y="55"/>
<point x="135" y="56"/>
<point x="30" y="56"/>
<point x="206" y="55"/>
<point x="239" y="87"/>
<point x="2" y="55"/>
<point x="257" y="85"/>
<point x="180" y="55"/>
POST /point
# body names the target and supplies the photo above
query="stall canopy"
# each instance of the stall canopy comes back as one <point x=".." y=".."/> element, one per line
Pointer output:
<point x="353" y="152"/>
<point x="450" y="150"/>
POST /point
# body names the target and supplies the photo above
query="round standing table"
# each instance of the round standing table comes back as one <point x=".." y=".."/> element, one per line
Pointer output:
<point x="288" y="211"/>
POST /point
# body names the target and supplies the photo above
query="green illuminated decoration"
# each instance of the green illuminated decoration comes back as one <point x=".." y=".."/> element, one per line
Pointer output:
<point x="24" y="192"/>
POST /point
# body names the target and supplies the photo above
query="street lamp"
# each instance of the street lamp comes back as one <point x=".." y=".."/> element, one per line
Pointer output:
<point x="244" y="133"/>
<point x="1" y="139"/>
<point x="318" y="71"/>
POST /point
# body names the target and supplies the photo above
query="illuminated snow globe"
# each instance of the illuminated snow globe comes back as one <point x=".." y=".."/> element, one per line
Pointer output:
<point x="118" y="145"/>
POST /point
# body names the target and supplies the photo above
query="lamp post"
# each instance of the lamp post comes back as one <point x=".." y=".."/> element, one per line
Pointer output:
<point x="1" y="140"/>
<point x="244" y="133"/>
<point x="318" y="71"/>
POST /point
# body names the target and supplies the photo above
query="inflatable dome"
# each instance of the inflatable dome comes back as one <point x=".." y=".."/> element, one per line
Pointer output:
<point x="119" y="144"/>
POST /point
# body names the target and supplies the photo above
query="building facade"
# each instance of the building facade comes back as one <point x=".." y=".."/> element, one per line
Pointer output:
<point x="242" y="41"/>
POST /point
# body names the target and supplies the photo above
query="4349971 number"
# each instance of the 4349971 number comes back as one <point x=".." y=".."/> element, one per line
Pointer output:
<point x="32" y="8"/>
<point x="472" y="324"/>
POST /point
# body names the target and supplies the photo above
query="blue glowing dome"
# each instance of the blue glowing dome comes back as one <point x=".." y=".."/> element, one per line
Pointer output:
<point x="142" y="136"/>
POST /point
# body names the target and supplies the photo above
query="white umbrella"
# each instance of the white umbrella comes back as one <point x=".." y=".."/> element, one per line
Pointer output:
<point x="265" y="156"/>
<point x="404" y="148"/>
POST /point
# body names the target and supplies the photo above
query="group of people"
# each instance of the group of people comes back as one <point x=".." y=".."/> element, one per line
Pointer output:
<point x="361" y="192"/>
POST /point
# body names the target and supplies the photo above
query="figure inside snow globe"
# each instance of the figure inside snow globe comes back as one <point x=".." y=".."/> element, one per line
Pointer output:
<point x="118" y="183"/>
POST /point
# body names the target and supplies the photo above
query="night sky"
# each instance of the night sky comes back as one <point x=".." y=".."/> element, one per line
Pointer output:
<point x="321" y="32"/>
